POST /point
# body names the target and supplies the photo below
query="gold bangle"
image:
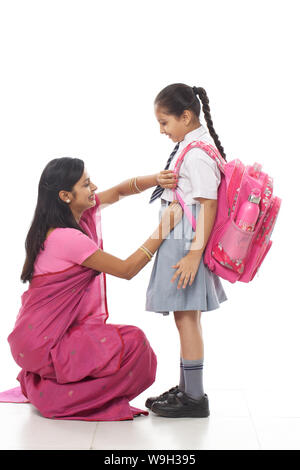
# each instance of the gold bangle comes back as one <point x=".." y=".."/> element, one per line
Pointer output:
<point x="147" y="254"/>
<point x="139" y="190"/>
<point x="130" y="185"/>
<point x="151" y="254"/>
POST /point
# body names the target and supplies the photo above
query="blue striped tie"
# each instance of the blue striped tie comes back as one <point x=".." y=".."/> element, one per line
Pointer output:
<point x="159" y="190"/>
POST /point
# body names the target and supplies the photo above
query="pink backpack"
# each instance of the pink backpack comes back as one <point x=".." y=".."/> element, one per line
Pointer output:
<point x="249" y="248"/>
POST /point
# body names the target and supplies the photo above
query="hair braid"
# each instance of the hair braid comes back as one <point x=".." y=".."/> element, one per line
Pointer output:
<point x="206" y="109"/>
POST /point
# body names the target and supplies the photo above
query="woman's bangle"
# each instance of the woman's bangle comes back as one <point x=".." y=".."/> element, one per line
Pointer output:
<point x="130" y="185"/>
<point x="133" y="182"/>
<point x="151" y="254"/>
<point x="144" y="251"/>
<point x="139" y="190"/>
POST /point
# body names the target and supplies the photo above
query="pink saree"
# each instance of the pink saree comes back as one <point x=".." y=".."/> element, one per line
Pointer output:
<point x="73" y="364"/>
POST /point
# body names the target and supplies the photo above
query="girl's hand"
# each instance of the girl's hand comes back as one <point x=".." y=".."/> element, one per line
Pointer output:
<point x="187" y="268"/>
<point x="167" y="179"/>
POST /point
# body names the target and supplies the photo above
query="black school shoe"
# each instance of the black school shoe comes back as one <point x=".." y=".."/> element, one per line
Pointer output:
<point x="180" y="405"/>
<point x="162" y="397"/>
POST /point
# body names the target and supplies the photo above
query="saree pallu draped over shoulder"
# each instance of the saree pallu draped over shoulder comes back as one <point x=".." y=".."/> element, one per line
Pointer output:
<point x="73" y="364"/>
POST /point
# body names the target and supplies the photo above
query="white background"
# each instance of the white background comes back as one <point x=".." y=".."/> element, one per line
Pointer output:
<point x="78" y="78"/>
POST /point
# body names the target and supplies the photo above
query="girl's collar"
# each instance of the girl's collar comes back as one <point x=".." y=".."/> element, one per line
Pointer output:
<point x="196" y="134"/>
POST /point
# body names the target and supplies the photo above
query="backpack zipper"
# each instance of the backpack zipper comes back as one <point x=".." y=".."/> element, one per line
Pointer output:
<point x="265" y="232"/>
<point x="269" y="220"/>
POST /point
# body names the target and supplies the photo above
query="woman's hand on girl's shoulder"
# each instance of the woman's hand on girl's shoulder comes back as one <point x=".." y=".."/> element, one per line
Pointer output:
<point x="167" y="179"/>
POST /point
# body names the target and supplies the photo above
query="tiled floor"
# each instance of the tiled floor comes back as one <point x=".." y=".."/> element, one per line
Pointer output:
<point x="239" y="420"/>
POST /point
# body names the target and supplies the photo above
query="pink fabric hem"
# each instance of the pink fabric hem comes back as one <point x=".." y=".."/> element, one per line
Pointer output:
<point x="15" y="395"/>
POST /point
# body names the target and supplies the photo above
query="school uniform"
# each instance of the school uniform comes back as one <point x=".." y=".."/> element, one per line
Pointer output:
<point x="199" y="176"/>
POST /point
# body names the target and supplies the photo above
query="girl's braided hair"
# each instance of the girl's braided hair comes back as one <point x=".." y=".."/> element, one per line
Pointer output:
<point x="178" y="97"/>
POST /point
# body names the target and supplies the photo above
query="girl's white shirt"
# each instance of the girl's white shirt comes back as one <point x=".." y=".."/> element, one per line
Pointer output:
<point x="199" y="175"/>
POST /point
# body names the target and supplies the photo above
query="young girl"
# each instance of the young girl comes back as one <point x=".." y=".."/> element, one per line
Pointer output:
<point x="180" y="257"/>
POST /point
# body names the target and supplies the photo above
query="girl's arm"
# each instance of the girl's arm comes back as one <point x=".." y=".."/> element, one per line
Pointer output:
<point x="205" y="223"/>
<point x="165" y="179"/>
<point x="128" y="268"/>
<point x="188" y="266"/>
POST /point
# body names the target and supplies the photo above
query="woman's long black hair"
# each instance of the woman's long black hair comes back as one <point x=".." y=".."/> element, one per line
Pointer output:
<point x="177" y="97"/>
<point x="60" y="174"/>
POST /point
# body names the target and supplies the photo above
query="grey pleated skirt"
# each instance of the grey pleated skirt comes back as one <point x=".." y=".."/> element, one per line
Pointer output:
<point x="205" y="294"/>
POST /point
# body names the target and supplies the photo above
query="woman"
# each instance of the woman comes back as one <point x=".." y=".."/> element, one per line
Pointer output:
<point x="75" y="365"/>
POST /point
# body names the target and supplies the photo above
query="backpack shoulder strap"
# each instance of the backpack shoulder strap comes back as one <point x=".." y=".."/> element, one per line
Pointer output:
<point x="214" y="154"/>
<point x="209" y="149"/>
